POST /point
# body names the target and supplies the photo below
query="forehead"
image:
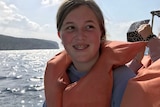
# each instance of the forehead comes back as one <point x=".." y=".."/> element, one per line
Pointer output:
<point x="81" y="13"/>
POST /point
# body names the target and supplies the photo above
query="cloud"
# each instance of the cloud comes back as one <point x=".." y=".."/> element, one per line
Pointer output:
<point x="50" y="2"/>
<point x="6" y="10"/>
<point x="117" y="30"/>
<point x="13" y="23"/>
<point x="10" y="18"/>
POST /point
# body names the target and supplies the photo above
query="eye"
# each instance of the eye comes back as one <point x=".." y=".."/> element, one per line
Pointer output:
<point x="70" y="28"/>
<point x="89" y="27"/>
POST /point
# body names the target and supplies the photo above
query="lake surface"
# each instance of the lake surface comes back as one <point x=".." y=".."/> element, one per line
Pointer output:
<point x="21" y="77"/>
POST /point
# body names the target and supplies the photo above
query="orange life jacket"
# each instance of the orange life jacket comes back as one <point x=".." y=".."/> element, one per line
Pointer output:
<point x="144" y="89"/>
<point x="94" y="89"/>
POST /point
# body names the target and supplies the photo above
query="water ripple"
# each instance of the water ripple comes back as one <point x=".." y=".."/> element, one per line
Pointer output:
<point x="33" y="88"/>
<point x="21" y="76"/>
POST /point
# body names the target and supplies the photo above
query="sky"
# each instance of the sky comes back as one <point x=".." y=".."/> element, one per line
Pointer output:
<point x="37" y="18"/>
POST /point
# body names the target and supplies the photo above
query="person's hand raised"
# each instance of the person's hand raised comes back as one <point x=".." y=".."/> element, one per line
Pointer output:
<point x="145" y="30"/>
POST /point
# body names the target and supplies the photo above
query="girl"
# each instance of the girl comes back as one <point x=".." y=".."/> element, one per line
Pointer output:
<point x="90" y="72"/>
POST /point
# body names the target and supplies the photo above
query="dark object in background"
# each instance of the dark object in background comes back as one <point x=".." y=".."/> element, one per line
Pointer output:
<point x="15" y="43"/>
<point x="132" y="34"/>
<point x="157" y="13"/>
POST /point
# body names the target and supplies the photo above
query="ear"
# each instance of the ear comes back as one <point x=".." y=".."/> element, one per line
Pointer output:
<point x="59" y="35"/>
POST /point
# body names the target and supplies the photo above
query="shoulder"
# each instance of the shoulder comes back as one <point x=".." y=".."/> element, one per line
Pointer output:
<point x="123" y="73"/>
<point x="121" y="52"/>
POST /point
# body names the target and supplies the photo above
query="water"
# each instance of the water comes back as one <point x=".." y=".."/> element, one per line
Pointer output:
<point x="21" y="77"/>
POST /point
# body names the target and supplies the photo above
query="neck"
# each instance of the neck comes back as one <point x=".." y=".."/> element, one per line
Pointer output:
<point x="85" y="66"/>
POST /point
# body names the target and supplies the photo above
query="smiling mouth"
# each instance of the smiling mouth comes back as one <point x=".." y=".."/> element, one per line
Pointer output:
<point x="80" y="47"/>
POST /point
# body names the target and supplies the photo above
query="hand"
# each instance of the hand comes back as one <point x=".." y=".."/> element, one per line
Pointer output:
<point x="145" y="30"/>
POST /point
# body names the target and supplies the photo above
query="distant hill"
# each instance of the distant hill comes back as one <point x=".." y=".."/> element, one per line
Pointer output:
<point x="13" y="43"/>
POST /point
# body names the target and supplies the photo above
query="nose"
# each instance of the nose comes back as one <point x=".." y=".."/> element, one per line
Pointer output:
<point x="80" y="34"/>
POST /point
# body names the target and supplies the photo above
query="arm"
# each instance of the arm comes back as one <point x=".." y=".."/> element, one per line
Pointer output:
<point x="153" y="43"/>
<point x="136" y="63"/>
<point x="154" y="49"/>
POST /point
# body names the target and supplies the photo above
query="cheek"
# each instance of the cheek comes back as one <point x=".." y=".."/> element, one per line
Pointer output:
<point x="66" y="39"/>
<point x="96" y="38"/>
<point x="97" y="43"/>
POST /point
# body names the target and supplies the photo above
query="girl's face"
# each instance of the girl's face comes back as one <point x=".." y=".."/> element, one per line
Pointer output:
<point x="81" y="35"/>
